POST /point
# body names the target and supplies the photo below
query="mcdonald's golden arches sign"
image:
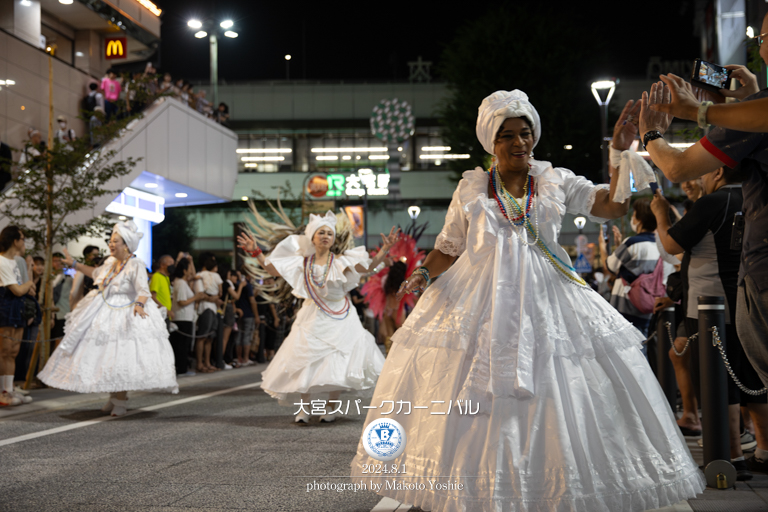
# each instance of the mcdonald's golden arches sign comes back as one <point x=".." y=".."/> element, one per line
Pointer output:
<point x="115" y="48"/>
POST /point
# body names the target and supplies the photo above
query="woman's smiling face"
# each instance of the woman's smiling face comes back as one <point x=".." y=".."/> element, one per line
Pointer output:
<point x="513" y="144"/>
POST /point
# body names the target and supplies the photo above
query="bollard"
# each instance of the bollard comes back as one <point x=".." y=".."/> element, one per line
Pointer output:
<point x="714" y="382"/>
<point x="218" y="341"/>
<point x="665" y="372"/>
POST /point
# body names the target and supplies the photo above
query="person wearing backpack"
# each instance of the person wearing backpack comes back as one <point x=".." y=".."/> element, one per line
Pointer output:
<point x="92" y="100"/>
<point x="635" y="256"/>
<point x="704" y="234"/>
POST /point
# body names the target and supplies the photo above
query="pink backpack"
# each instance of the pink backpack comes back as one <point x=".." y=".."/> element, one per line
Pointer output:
<point x="646" y="288"/>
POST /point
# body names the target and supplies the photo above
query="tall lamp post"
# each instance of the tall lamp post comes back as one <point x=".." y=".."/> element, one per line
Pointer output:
<point x="209" y="28"/>
<point x="603" y="92"/>
<point x="413" y="212"/>
<point x="287" y="67"/>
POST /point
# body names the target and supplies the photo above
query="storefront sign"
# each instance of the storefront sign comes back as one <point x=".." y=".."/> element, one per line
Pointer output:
<point x="356" y="185"/>
<point x="116" y="48"/>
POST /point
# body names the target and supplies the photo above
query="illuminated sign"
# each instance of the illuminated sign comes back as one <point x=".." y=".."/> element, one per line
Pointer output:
<point x="150" y="7"/>
<point x="317" y="186"/>
<point x="356" y="185"/>
<point x="116" y="48"/>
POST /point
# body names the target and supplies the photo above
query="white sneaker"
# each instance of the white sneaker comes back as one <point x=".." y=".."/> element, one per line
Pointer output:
<point x="108" y="407"/>
<point x="25" y="399"/>
<point x="228" y="366"/>
<point x="7" y="399"/>
<point x="327" y="418"/>
<point x="302" y="417"/>
<point x="119" y="408"/>
<point x="17" y="389"/>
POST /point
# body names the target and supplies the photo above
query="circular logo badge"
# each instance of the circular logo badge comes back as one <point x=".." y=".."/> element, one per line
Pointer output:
<point x="384" y="439"/>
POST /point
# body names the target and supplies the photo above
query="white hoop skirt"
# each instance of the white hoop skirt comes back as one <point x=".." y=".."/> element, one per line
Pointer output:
<point x="111" y="350"/>
<point x="569" y="418"/>
<point x="321" y="354"/>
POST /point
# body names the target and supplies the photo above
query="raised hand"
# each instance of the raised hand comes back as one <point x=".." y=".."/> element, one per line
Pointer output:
<point x="625" y="130"/>
<point x="68" y="260"/>
<point x="683" y="102"/>
<point x="747" y="80"/>
<point x="415" y="283"/>
<point x="652" y="119"/>
<point x="617" y="238"/>
<point x="246" y="241"/>
<point x="388" y="241"/>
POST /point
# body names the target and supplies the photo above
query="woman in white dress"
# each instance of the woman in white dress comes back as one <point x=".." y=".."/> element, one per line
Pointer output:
<point x="565" y="413"/>
<point x="327" y="350"/>
<point x="115" y="340"/>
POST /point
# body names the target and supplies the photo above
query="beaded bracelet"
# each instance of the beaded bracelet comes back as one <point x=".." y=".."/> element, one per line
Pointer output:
<point x="254" y="252"/>
<point x="140" y="304"/>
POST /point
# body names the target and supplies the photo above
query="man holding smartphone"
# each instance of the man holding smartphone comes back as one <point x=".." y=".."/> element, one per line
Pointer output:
<point x="724" y="146"/>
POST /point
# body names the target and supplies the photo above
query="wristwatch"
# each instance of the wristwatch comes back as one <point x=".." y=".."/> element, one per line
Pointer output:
<point x="701" y="115"/>
<point x="651" y="135"/>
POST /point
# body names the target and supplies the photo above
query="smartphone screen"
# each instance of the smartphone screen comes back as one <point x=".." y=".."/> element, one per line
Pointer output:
<point x="710" y="74"/>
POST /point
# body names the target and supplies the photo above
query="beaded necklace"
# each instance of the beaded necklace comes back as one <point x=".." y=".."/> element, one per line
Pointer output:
<point x="309" y="282"/>
<point x="507" y="203"/>
<point x="111" y="277"/>
<point x="320" y="284"/>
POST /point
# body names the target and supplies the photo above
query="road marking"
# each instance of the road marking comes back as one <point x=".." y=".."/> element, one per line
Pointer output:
<point x="81" y="424"/>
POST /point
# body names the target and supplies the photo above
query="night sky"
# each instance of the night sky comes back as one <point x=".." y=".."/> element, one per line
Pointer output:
<point x="374" y="40"/>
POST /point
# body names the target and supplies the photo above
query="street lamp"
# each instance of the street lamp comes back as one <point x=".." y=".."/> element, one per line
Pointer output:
<point x="413" y="212"/>
<point x="213" y="43"/>
<point x="603" y="92"/>
<point x="580" y="223"/>
<point x="287" y="66"/>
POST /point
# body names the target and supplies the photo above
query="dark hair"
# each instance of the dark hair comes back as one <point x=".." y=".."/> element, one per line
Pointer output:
<point x="226" y="107"/>
<point x="181" y="267"/>
<point x="38" y="259"/>
<point x="224" y="270"/>
<point x="8" y="236"/>
<point x="57" y="255"/>
<point x="733" y="175"/>
<point x="89" y="249"/>
<point x="395" y="277"/>
<point x="93" y="86"/>
<point x="210" y="262"/>
<point x="644" y="214"/>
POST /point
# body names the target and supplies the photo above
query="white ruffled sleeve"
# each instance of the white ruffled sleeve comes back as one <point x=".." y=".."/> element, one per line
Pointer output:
<point x="100" y="272"/>
<point x="452" y="240"/>
<point x="140" y="278"/>
<point x="288" y="260"/>
<point x="344" y="267"/>
<point x="580" y="194"/>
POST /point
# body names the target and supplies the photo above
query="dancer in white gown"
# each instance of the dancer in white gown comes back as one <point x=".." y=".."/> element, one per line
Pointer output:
<point x="567" y="413"/>
<point x="327" y="350"/>
<point x="115" y="340"/>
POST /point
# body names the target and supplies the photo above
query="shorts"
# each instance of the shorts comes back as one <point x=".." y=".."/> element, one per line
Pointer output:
<point x="207" y="324"/>
<point x="229" y="316"/>
<point x="739" y="363"/>
<point x="246" y="326"/>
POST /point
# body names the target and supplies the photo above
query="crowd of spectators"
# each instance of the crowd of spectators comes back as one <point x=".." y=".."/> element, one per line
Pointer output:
<point x="718" y="246"/>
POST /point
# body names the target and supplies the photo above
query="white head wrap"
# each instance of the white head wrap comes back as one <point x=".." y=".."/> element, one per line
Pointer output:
<point x="315" y="222"/>
<point x="498" y="107"/>
<point x="130" y="234"/>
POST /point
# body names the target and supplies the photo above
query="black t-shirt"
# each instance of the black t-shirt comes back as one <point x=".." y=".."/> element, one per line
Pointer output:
<point x="705" y="235"/>
<point x="355" y="294"/>
<point x="244" y="302"/>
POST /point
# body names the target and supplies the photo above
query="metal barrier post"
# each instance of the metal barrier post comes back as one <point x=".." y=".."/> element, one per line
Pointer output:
<point x="219" y="342"/>
<point x="665" y="370"/>
<point x="714" y="382"/>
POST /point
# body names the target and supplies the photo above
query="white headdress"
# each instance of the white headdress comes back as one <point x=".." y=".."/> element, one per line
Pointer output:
<point x="130" y="234"/>
<point x="315" y="223"/>
<point x="500" y="106"/>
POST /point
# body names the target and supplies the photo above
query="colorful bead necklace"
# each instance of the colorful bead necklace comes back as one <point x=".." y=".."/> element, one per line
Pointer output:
<point x="321" y="283"/>
<point x="309" y="283"/>
<point x="508" y="203"/>
<point x="111" y="277"/>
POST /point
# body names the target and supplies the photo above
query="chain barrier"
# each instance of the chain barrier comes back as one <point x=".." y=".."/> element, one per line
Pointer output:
<point x="672" y="340"/>
<point x="719" y="344"/>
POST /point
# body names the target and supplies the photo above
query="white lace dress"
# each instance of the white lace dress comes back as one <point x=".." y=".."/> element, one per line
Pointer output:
<point x="109" y="349"/>
<point x="569" y="415"/>
<point x="321" y="354"/>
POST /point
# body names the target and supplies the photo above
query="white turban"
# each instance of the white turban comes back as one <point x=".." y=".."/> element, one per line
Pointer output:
<point x="498" y="107"/>
<point x="315" y="222"/>
<point x="130" y="234"/>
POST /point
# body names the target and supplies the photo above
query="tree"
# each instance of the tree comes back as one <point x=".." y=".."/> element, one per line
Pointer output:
<point x="50" y="191"/>
<point x="176" y="233"/>
<point x="546" y="53"/>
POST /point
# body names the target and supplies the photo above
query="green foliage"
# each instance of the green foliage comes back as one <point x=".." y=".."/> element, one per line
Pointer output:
<point x="690" y="134"/>
<point x="544" y="52"/>
<point x="176" y="233"/>
<point x="62" y="181"/>
<point x="754" y="60"/>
